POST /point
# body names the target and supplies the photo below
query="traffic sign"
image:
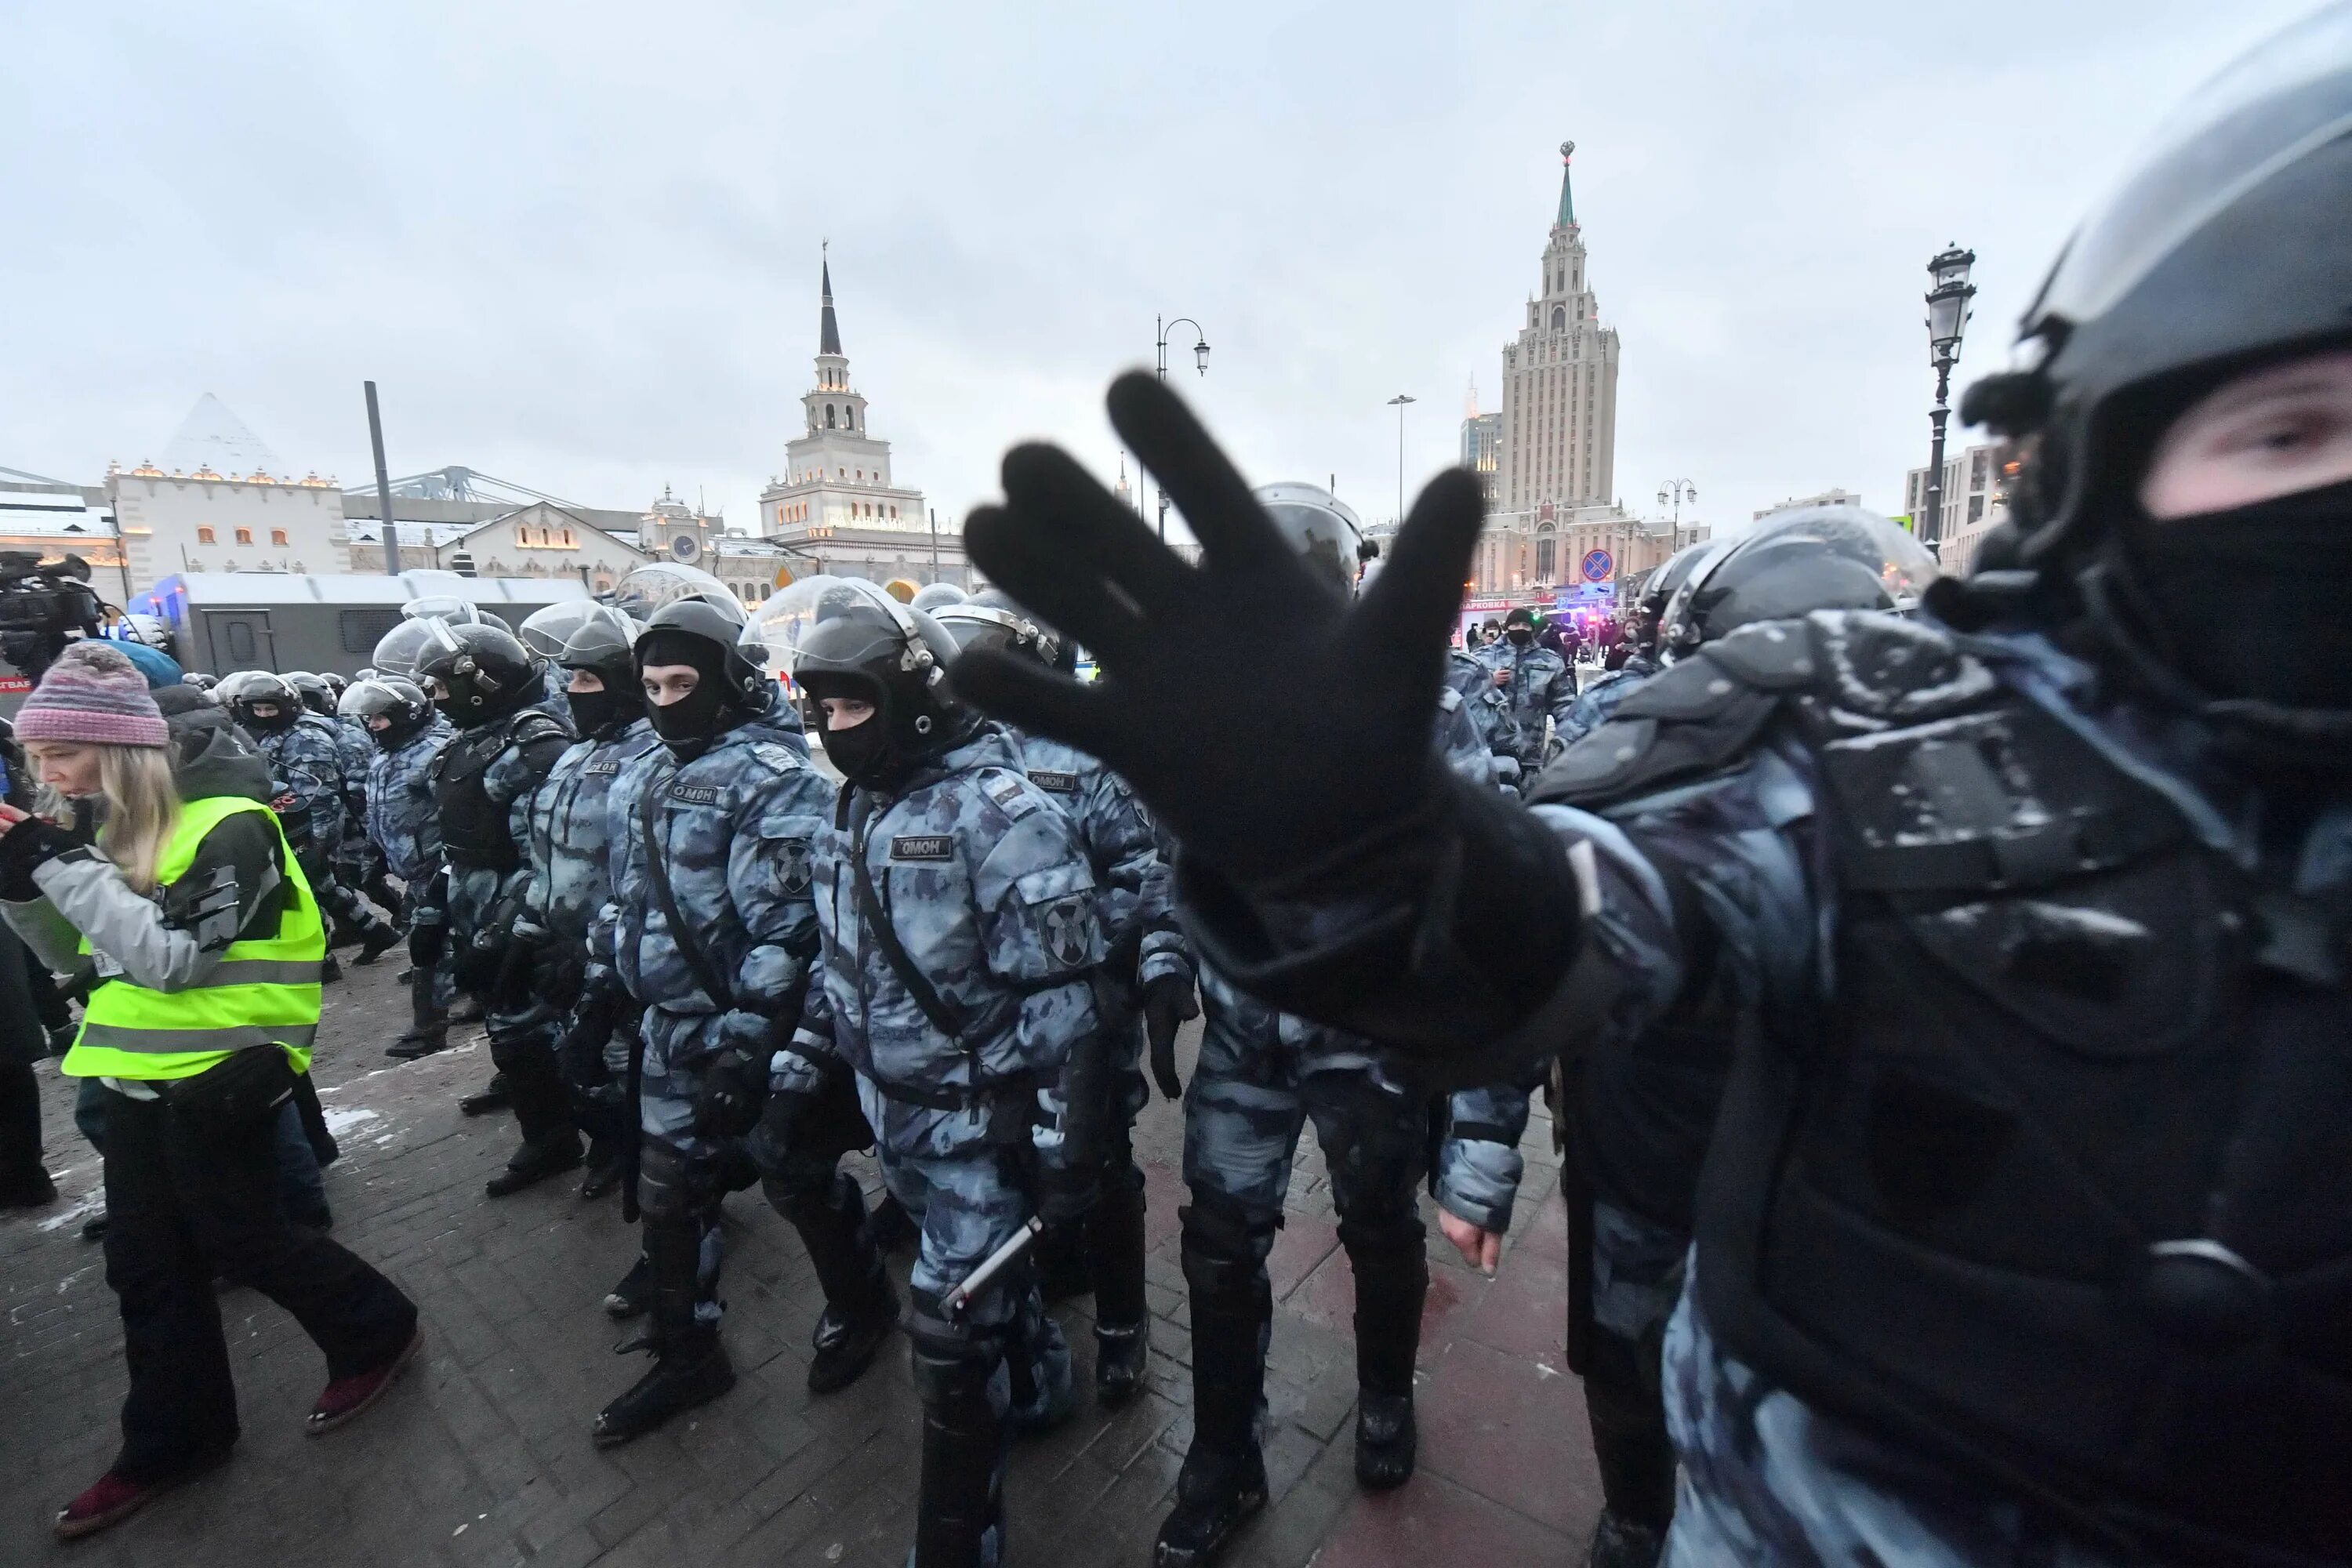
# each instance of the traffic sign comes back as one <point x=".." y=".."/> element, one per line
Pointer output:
<point x="1598" y="565"/>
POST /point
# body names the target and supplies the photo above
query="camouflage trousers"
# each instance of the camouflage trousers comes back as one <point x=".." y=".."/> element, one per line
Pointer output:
<point x="965" y="1206"/>
<point x="682" y="1170"/>
<point x="1767" y="1479"/>
<point x="1250" y="1099"/>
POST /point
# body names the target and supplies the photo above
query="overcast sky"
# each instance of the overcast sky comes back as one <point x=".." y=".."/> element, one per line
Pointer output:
<point x="577" y="243"/>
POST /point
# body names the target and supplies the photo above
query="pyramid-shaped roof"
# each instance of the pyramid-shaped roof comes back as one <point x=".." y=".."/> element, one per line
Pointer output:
<point x="211" y="436"/>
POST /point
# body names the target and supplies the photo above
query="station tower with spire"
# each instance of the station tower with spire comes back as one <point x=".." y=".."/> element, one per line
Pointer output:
<point x="835" y="506"/>
<point x="1560" y="382"/>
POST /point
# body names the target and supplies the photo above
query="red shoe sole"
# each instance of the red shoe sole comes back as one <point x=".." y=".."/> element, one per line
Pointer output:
<point x="318" y="1426"/>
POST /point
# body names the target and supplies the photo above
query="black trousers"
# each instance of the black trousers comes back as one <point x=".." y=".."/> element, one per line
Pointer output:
<point x="20" y="1126"/>
<point x="184" y="1206"/>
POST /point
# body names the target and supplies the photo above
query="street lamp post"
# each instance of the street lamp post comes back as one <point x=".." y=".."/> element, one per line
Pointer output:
<point x="1199" y="363"/>
<point x="1947" y="318"/>
<point x="1676" y="492"/>
<point x="1397" y="402"/>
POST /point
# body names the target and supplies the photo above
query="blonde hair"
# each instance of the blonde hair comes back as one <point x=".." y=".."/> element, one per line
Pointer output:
<point x="142" y="809"/>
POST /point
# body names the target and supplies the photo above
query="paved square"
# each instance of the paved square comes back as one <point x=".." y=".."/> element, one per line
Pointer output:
<point x="482" y="1457"/>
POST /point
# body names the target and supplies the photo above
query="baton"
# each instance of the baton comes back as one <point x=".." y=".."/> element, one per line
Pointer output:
<point x="994" y="1263"/>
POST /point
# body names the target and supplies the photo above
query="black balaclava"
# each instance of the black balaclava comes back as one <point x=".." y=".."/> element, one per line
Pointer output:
<point x="1520" y="628"/>
<point x="288" y="713"/>
<point x="596" y="712"/>
<point x="864" y="753"/>
<point x="2251" y="605"/>
<point x="689" y="724"/>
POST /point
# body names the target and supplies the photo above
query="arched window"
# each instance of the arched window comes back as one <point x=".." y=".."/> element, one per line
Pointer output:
<point x="204" y="536"/>
<point x="1547" y="557"/>
<point x="1560" y="318"/>
<point x="277" y="536"/>
<point x="245" y="536"/>
<point x="828" y="416"/>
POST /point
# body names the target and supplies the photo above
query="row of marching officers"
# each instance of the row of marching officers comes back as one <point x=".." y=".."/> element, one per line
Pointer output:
<point x="690" y="946"/>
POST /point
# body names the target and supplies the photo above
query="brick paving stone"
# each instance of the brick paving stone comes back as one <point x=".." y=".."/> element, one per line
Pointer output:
<point x="482" y="1456"/>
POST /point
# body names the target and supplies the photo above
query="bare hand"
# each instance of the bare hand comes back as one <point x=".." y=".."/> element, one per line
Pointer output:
<point x="10" y="815"/>
<point x="1480" y="1249"/>
<point x="1502" y="677"/>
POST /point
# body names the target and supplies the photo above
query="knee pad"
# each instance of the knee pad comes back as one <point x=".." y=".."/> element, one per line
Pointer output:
<point x="810" y="1194"/>
<point x="1393" y="1233"/>
<point x="952" y="1361"/>
<point x="1621" y="1373"/>
<point x="662" y="1195"/>
<point x="1224" y="1251"/>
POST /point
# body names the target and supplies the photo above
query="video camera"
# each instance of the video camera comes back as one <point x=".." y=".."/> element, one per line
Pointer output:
<point x="41" y="603"/>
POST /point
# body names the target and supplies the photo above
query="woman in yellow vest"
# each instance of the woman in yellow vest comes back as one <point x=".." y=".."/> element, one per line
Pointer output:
<point x="205" y="945"/>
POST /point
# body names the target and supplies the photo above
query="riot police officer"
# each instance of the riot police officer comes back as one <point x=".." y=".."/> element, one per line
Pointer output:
<point x="485" y="683"/>
<point x="2023" y="1233"/>
<point x="1145" y="993"/>
<point x="1644" y="659"/>
<point x="1636" y="1111"/>
<point x="305" y="755"/>
<point x="570" y="882"/>
<point x="1535" y="682"/>
<point x="711" y="930"/>
<point x="404" y="823"/>
<point x="958" y="909"/>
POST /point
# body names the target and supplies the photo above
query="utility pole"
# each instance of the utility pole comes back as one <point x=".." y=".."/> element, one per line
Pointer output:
<point x="383" y="489"/>
<point x="935" y="542"/>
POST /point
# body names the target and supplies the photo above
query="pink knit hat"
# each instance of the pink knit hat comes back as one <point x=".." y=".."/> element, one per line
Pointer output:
<point x="93" y="693"/>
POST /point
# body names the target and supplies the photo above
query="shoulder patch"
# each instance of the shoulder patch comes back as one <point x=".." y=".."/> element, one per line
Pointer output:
<point x="1059" y="783"/>
<point x="780" y="758"/>
<point x="1448" y="699"/>
<point x="695" y="794"/>
<point x="924" y="847"/>
<point x="1889" y="668"/>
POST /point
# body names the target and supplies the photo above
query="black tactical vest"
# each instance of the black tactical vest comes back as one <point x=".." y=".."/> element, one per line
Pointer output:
<point x="2060" y="1184"/>
<point x="474" y="828"/>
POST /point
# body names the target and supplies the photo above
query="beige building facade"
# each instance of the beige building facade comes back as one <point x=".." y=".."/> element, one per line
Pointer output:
<point x="1558" y="438"/>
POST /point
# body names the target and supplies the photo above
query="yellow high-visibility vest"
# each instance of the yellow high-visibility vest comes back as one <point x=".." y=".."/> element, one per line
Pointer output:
<point x="263" y="991"/>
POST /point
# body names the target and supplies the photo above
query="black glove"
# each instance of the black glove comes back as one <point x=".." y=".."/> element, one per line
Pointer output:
<point x="1249" y="642"/>
<point x="733" y="1094"/>
<point x="783" y="1121"/>
<point x="559" y="972"/>
<point x="478" y="966"/>
<point x="1168" y="1001"/>
<point x="30" y="843"/>
<point x="427" y="940"/>
<point x="579" y="1049"/>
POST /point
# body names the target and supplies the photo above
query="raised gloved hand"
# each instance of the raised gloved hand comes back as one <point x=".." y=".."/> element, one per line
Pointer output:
<point x="1168" y="1001"/>
<point x="733" y="1093"/>
<point x="29" y="843"/>
<point x="1262" y="717"/>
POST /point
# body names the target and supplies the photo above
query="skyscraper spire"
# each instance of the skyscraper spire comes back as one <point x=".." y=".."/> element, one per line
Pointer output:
<point x="828" y="339"/>
<point x="1566" y="219"/>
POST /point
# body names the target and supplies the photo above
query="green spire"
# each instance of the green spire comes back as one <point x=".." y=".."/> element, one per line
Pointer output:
<point x="1566" y="197"/>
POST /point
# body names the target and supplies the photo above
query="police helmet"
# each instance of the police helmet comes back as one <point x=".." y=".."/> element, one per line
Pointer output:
<point x="2223" y="250"/>
<point x="402" y="702"/>
<point x="455" y="609"/>
<point x="1794" y="562"/>
<point x="316" y="694"/>
<point x="200" y="680"/>
<point x="720" y="621"/>
<point x="648" y="587"/>
<point x="484" y="671"/>
<point x="399" y="650"/>
<point x="1323" y="529"/>
<point x="257" y="689"/>
<point x="989" y="619"/>
<point x="545" y="632"/>
<point x="601" y="642"/>
<point x="1650" y="610"/>
<point x="863" y="643"/>
<point x="934" y="597"/>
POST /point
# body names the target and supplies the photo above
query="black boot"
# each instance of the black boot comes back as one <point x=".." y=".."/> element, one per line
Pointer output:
<point x="1114" y="1249"/>
<point x="343" y="934"/>
<point x="23" y="1182"/>
<point x="1391" y="1272"/>
<point x="1223" y="1480"/>
<point x="634" y="1295"/>
<point x="329" y="971"/>
<point x="607" y="1162"/>
<point x="376" y="938"/>
<point x="493" y="1097"/>
<point x="535" y="1162"/>
<point x="1627" y="1414"/>
<point x="959" y="1508"/>
<point x="860" y="1305"/>
<point x="423" y="1041"/>
<point x="690" y="1367"/>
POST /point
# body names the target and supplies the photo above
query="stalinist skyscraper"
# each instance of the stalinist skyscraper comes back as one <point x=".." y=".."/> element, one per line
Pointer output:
<point x="1560" y="382"/>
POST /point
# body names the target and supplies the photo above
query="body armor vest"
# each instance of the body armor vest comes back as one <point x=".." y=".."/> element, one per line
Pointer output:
<point x="2059" y="1183"/>
<point x="474" y="828"/>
